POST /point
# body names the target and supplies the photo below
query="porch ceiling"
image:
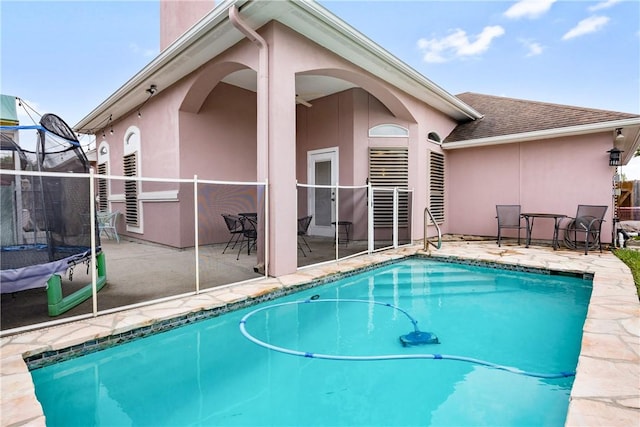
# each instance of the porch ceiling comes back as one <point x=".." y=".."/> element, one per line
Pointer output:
<point x="308" y="87"/>
<point x="214" y="34"/>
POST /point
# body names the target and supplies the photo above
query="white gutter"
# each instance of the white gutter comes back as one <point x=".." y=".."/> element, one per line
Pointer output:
<point x="542" y="134"/>
<point x="263" y="109"/>
<point x="263" y="79"/>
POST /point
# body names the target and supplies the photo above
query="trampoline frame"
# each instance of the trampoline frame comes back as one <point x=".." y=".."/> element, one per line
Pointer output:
<point x="58" y="304"/>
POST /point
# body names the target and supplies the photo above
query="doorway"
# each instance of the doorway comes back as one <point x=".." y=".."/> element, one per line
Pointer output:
<point x="322" y="169"/>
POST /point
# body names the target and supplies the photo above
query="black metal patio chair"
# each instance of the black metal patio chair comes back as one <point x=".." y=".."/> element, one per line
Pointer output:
<point x="249" y="233"/>
<point x="509" y="218"/>
<point x="584" y="228"/>
<point x="303" y="228"/>
<point x="234" y="225"/>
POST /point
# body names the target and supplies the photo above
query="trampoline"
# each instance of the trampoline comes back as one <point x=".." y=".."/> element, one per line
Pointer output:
<point x="45" y="219"/>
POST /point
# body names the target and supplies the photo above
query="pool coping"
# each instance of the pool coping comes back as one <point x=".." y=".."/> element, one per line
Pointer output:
<point x="606" y="389"/>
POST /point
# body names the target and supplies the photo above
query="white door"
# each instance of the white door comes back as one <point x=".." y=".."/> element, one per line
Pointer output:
<point x="322" y="169"/>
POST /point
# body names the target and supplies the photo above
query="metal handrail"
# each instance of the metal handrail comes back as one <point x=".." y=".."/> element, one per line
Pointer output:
<point x="427" y="242"/>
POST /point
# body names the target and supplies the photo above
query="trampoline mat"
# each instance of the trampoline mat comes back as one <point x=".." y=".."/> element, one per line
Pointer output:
<point x="28" y="267"/>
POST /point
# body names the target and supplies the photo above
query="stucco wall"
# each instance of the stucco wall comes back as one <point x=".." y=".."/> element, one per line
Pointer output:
<point x="553" y="175"/>
<point x="158" y="157"/>
<point x="176" y="17"/>
<point x="205" y="127"/>
<point x="219" y="143"/>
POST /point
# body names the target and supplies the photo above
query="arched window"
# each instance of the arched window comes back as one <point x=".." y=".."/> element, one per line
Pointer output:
<point x="388" y="130"/>
<point x="434" y="137"/>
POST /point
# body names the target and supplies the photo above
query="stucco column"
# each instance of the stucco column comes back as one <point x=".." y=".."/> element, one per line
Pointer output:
<point x="281" y="157"/>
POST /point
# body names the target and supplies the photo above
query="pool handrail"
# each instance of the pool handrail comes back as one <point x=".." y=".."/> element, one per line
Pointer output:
<point x="427" y="242"/>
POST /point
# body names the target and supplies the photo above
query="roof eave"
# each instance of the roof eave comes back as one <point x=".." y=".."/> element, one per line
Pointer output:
<point x="632" y="140"/>
<point x="132" y="93"/>
<point x="443" y="100"/>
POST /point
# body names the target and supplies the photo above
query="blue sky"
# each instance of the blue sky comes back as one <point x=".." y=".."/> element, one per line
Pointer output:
<point x="68" y="57"/>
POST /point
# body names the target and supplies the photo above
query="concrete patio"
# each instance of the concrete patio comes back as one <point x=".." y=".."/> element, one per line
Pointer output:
<point x="606" y="391"/>
<point x="139" y="272"/>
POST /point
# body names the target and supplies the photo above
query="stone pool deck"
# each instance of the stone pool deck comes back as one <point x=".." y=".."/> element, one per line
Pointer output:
<point x="606" y="391"/>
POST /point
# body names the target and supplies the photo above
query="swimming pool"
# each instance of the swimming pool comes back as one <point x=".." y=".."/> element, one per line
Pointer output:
<point x="208" y="373"/>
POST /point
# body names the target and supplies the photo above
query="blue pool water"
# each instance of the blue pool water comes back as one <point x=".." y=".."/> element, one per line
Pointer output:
<point x="209" y="373"/>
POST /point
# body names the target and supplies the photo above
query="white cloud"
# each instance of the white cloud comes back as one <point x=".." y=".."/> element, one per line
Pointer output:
<point x="28" y="112"/>
<point x="529" y="9"/>
<point x="147" y="53"/>
<point x="533" y="48"/>
<point x="603" y="5"/>
<point x="632" y="169"/>
<point x="457" y="44"/>
<point x="586" y="26"/>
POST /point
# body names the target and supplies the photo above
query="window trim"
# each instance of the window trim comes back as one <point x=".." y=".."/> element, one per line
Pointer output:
<point x="437" y="140"/>
<point x="385" y="130"/>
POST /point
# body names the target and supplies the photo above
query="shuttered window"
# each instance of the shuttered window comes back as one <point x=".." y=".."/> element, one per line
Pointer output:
<point x="103" y="194"/>
<point x="131" y="190"/>
<point x="389" y="168"/>
<point x="436" y="186"/>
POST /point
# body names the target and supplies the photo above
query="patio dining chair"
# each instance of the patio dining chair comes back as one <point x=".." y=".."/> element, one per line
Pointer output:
<point x="107" y="222"/>
<point x="303" y="228"/>
<point x="249" y="234"/>
<point x="584" y="228"/>
<point x="235" y="229"/>
<point x="509" y="218"/>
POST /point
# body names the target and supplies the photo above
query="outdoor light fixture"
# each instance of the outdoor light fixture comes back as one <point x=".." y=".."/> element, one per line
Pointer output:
<point x="151" y="91"/>
<point x="103" y="150"/>
<point x="619" y="139"/>
<point x="614" y="156"/>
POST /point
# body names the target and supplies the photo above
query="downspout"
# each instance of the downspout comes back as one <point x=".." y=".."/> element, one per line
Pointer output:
<point x="262" y="101"/>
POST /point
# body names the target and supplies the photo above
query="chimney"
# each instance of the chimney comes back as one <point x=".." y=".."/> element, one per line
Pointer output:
<point x="177" y="16"/>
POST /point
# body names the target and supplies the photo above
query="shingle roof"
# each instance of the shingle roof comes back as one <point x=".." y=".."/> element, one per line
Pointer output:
<point x="509" y="116"/>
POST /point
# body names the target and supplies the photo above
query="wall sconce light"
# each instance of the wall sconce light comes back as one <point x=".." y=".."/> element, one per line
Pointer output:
<point x="619" y="139"/>
<point x="614" y="156"/>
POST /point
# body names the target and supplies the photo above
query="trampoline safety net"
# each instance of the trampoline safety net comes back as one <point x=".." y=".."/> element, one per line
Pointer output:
<point x="43" y="219"/>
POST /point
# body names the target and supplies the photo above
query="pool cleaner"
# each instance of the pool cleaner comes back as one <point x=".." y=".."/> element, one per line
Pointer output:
<point x="417" y="337"/>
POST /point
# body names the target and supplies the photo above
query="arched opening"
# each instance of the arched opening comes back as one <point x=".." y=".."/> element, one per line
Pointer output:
<point x="337" y="111"/>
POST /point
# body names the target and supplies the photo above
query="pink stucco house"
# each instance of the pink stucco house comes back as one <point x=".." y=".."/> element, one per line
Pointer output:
<point x="271" y="90"/>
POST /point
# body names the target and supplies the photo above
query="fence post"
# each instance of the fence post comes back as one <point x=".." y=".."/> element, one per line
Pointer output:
<point x="395" y="218"/>
<point x="266" y="237"/>
<point x="336" y="196"/>
<point x="196" y="240"/>
<point x="92" y="222"/>
<point x="370" y="228"/>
